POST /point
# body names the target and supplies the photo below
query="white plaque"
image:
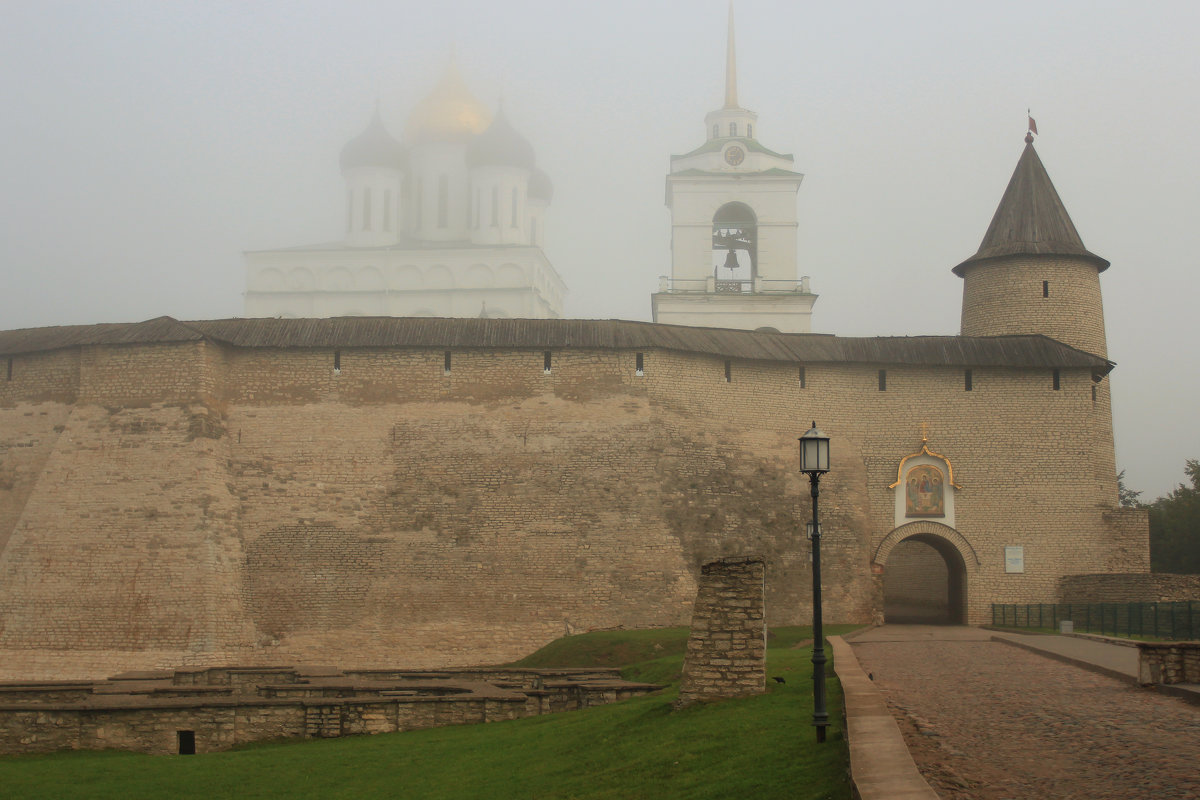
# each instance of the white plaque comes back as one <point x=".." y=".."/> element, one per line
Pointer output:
<point x="1014" y="559"/>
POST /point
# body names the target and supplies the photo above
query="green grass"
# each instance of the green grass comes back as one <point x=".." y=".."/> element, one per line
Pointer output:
<point x="760" y="746"/>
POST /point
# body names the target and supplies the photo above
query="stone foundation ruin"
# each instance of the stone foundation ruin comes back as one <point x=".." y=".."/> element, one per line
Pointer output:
<point x="204" y="710"/>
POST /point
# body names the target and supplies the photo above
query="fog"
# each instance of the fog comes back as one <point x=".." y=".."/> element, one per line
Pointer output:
<point x="146" y="145"/>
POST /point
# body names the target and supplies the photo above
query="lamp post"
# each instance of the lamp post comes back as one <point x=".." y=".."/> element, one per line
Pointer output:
<point x="814" y="460"/>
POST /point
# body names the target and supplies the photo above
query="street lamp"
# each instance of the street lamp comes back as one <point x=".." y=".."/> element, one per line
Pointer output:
<point x="814" y="460"/>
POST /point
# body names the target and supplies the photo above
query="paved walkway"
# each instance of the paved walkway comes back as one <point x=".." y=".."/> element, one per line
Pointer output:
<point x="988" y="721"/>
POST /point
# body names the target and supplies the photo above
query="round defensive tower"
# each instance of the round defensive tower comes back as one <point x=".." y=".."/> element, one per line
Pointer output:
<point x="1032" y="273"/>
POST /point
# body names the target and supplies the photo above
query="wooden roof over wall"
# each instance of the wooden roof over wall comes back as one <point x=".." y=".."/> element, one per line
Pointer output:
<point x="510" y="334"/>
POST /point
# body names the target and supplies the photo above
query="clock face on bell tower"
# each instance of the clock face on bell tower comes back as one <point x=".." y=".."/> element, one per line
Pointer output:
<point x="734" y="155"/>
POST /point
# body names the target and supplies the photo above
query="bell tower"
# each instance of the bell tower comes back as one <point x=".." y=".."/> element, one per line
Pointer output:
<point x="733" y="228"/>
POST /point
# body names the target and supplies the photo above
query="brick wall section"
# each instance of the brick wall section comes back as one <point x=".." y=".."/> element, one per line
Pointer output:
<point x="1130" y="541"/>
<point x="193" y="503"/>
<point x="1137" y="587"/>
<point x="726" y="651"/>
<point x="1176" y="662"/>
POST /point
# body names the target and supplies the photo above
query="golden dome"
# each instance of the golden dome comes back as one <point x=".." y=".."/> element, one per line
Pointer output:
<point x="447" y="114"/>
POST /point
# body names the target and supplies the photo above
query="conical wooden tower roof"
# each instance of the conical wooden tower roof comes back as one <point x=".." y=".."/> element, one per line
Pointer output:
<point x="1031" y="219"/>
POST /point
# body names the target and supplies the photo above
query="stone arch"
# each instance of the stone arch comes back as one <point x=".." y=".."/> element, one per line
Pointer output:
<point x="930" y="528"/>
<point x="932" y="567"/>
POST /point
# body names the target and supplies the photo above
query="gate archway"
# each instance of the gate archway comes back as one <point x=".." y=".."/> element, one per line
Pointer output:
<point x="926" y="569"/>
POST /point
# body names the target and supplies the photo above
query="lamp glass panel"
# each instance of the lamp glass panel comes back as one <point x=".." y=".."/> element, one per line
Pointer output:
<point x="814" y="454"/>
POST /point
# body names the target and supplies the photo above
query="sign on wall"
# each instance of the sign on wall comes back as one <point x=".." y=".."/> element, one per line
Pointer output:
<point x="1014" y="559"/>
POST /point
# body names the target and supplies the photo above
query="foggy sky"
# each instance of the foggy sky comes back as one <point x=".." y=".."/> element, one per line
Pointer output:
<point x="146" y="145"/>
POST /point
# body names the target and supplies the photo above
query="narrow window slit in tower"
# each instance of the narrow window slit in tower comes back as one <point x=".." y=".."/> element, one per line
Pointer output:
<point x="728" y="371"/>
<point x="883" y="380"/>
<point x="1045" y="288"/>
<point x="1094" y="394"/>
<point x="337" y="361"/>
<point x="640" y="368"/>
<point x="446" y="364"/>
<point x="1057" y="380"/>
<point x="968" y="383"/>
<point x="546" y="362"/>
<point x="800" y="375"/>
<point x="187" y="742"/>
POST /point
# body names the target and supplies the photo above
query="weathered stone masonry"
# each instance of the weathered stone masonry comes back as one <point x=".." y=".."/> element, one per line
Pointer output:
<point x="204" y="710"/>
<point x="216" y="492"/>
<point x="726" y="650"/>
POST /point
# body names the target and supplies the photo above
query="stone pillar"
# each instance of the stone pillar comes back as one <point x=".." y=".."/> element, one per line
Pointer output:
<point x="726" y="652"/>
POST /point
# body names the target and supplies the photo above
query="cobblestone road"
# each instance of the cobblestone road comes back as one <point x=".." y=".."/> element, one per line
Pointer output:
<point x="988" y="721"/>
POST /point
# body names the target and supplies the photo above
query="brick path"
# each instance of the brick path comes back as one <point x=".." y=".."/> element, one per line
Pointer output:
<point x="987" y="721"/>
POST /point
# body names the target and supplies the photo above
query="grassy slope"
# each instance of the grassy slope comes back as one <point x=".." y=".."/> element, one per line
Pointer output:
<point x="761" y="746"/>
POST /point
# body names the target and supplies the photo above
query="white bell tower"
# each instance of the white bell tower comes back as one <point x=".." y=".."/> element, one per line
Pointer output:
<point x="733" y="228"/>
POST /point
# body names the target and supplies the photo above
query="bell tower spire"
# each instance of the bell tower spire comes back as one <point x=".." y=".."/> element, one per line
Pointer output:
<point x="731" y="100"/>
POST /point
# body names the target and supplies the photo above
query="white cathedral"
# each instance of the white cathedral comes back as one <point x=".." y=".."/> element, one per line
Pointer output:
<point x="448" y="224"/>
<point x="451" y="224"/>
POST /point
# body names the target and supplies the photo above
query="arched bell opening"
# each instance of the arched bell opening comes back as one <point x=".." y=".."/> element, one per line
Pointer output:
<point x="925" y="582"/>
<point x="735" y="247"/>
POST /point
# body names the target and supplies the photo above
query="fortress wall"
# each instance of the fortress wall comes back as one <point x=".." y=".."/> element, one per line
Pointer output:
<point x="39" y="377"/>
<point x="1023" y="452"/>
<point x="391" y="513"/>
<point x="1129" y="587"/>
<point x="28" y="433"/>
<point x="1130" y="546"/>
<point x="126" y="542"/>
<point x="144" y="374"/>
<point x="467" y="501"/>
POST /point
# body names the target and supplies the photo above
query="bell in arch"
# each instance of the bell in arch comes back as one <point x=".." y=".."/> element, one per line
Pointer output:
<point x="731" y="260"/>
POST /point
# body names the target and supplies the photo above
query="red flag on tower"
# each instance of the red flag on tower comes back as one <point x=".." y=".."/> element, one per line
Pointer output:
<point x="1032" y="125"/>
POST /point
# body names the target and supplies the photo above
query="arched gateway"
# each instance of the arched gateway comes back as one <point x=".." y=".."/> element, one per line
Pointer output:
<point x="926" y="568"/>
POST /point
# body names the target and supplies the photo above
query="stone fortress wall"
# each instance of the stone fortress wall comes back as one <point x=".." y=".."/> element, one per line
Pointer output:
<point x="190" y="503"/>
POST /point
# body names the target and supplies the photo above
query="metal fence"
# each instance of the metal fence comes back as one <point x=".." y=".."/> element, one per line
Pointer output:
<point x="1176" y="621"/>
